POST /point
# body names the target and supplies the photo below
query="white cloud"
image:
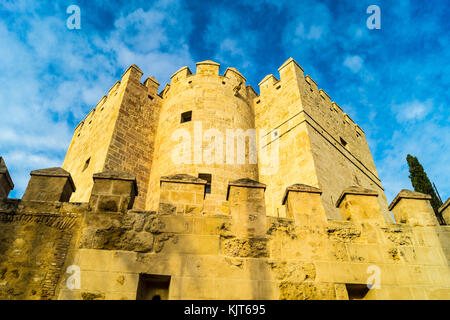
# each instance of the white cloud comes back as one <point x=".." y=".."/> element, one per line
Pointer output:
<point x="51" y="76"/>
<point x="354" y="63"/>
<point x="232" y="47"/>
<point x="411" y="111"/>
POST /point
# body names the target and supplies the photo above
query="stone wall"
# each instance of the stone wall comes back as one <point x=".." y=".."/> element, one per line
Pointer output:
<point x="238" y="254"/>
<point x="34" y="242"/>
<point x="231" y="257"/>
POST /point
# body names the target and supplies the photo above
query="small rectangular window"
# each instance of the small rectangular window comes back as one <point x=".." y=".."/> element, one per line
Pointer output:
<point x="208" y="178"/>
<point x="343" y="142"/>
<point x="153" y="287"/>
<point x="186" y="116"/>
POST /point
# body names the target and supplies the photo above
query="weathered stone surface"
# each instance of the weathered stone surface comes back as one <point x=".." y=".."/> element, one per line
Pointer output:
<point x="52" y="184"/>
<point x="136" y="231"/>
<point x="360" y="205"/>
<point x="254" y="248"/>
<point x="183" y="178"/>
<point x="413" y="208"/>
<point x="113" y="191"/>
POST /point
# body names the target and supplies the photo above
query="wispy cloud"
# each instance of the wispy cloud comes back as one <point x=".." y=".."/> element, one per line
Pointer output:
<point x="354" y="63"/>
<point x="51" y="76"/>
<point x="412" y="110"/>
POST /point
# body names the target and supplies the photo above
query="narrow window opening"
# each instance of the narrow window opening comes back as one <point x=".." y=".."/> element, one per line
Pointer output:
<point x="86" y="164"/>
<point x="150" y="97"/>
<point x="186" y="116"/>
<point x="343" y="142"/>
<point x="153" y="287"/>
<point x="208" y="178"/>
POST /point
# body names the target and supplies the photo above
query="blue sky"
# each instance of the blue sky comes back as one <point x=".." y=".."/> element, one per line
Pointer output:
<point x="393" y="82"/>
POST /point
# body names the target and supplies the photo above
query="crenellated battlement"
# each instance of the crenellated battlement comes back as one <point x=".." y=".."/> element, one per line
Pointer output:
<point x="291" y="74"/>
<point x="207" y="73"/>
<point x="300" y="251"/>
<point x="357" y="204"/>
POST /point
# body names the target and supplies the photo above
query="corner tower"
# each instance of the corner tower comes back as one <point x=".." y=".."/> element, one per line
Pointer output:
<point x="118" y="135"/>
<point x="319" y="145"/>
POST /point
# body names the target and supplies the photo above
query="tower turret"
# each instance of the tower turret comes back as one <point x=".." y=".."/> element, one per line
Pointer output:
<point x="206" y="128"/>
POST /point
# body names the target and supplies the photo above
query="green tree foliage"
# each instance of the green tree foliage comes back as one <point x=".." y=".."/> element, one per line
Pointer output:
<point x="421" y="183"/>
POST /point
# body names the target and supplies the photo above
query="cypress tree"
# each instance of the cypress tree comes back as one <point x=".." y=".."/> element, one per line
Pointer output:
<point x="421" y="183"/>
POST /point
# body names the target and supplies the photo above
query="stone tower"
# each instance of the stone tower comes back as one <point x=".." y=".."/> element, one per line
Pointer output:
<point x="118" y="134"/>
<point x="213" y="105"/>
<point x="318" y="143"/>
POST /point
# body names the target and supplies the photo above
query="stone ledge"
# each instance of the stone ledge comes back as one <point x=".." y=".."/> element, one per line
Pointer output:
<point x="299" y="187"/>
<point x="269" y="76"/>
<point x="117" y="175"/>
<point x="355" y="191"/>
<point x="408" y="194"/>
<point x="208" y="62"/>
<point x="152" y="79"/>
<point x="182" y="178"/>
<point x="310" y="80"/>
<point x="245" y="182"/>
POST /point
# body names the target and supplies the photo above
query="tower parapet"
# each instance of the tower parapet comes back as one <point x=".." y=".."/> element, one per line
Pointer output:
<point x="360" y="205"/>
<point x="52" y="184"/>
<point x="413" y="208"/>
